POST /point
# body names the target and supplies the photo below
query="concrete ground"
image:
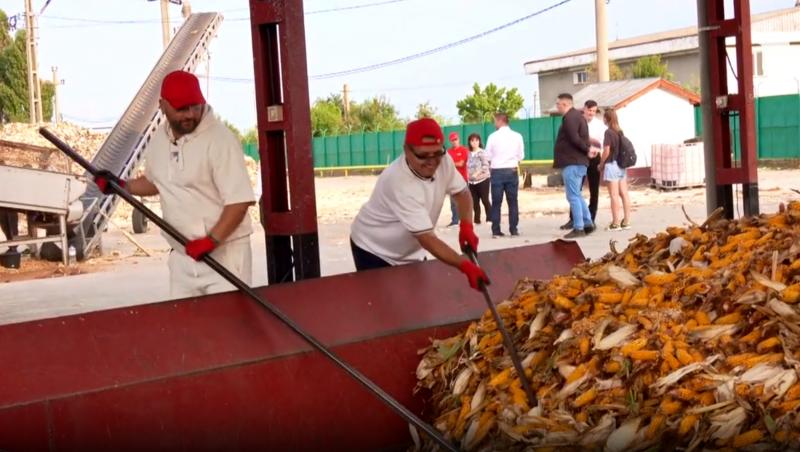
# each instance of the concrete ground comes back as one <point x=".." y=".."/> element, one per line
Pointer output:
<point x="127" y="279"/>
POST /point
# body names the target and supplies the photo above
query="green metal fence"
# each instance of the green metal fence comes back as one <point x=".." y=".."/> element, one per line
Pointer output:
<point x="777" y="137"/>
<point x="380" y="148"/>
<point x="777" y="127"/>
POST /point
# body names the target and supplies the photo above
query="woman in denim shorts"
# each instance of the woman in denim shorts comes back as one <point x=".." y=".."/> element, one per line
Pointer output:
<point x="614" y="175"/>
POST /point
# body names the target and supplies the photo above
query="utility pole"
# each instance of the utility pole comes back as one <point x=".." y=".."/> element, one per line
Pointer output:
<point x="601" y="31"/>
<point x="346" y="102"/>
<point x="56" y="82"/>
<point x="165" y="22"/>
<point x="708" y="108"/>
<point x="34" y="85"/>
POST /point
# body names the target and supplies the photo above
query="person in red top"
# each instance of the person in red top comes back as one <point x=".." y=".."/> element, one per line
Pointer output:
<point x="460" y="156"/>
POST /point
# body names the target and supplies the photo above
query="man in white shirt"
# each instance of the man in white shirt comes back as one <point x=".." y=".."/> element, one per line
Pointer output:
<point x="196" y="166"/>
<point x="396" y="225"/>
<point x="597" y="131"/>
<point x="505" y="149"/>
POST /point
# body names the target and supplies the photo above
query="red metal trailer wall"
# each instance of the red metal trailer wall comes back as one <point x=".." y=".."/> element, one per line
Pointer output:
<point x="219" y="373"/>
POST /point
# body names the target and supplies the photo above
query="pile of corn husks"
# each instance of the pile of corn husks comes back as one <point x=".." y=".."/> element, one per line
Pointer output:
<point x="685" y="340"/>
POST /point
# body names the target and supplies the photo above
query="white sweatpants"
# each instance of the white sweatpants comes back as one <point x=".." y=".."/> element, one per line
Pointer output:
<point x="189" y="278"/>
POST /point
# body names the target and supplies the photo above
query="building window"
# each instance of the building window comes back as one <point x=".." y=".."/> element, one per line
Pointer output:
<point x="580" y="78"/>
<point x="758" y="63"/>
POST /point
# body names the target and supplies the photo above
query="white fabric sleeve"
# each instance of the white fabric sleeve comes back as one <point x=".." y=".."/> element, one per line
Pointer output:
<point x="489" y="147"/>
<point x="230" y="172"/>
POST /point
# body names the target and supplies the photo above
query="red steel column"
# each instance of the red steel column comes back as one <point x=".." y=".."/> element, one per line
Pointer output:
<point x="739" y="106"/>
<point x="284" y="138"/>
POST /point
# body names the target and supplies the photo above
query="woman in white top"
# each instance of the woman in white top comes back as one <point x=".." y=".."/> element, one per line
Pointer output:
<point x="478" y="170"/>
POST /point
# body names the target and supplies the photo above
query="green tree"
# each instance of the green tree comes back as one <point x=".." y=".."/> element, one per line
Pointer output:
<point x="327" y="118"/>
<point x="614" y="71"/>
<point x="650" y="66"/>
<point x="482" y="104"/>
<point x="426" y="110"/>
<point x="14" y="78"/>
<point x="376" y="115"/>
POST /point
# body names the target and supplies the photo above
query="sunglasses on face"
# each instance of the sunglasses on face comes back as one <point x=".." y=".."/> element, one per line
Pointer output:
<point x="436" y="155"/>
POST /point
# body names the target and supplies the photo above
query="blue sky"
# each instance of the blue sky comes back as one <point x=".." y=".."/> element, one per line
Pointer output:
<point x="103" y="64"/>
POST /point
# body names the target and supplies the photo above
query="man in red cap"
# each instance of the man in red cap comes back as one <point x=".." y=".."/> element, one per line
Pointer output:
<point x="396" y="225"/>
<point x="196" y="166"/>
<point x="460" y="156"/>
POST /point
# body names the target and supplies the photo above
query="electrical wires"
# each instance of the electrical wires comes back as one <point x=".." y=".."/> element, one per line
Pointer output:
<point x="376" y="66"/>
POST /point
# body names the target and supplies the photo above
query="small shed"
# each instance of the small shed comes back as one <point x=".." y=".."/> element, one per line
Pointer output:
<point x="650" y="111"/>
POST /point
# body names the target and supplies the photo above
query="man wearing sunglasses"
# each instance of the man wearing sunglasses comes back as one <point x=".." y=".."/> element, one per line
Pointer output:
<point x="396" y="226"/>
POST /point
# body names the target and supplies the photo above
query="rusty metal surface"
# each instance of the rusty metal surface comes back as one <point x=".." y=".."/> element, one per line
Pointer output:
<point x="168" y="372"/>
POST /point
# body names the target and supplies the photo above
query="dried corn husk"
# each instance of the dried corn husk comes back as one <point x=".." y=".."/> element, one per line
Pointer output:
<point x="689" y="339"/>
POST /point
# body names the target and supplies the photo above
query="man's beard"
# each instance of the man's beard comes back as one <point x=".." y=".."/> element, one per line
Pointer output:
<point x="184" y="127"/>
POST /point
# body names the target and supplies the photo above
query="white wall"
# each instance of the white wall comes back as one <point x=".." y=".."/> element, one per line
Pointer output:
<point x="779" y="63"/>
<point x="658" y="117"/>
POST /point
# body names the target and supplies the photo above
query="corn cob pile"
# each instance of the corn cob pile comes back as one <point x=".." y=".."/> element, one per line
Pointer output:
<point x="685" y="340"/>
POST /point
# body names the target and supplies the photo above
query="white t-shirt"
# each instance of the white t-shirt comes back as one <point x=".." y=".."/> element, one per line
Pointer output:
<point x="597" y="129"/>
<point x="402" y="206"/>
<point x="197" y="176"/>
<point x="505" y="148"/>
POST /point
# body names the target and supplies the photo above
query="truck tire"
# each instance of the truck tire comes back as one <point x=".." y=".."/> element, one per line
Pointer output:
<point x="140" y="222"/>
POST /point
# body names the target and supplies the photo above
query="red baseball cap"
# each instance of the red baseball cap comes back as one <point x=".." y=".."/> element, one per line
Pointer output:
<point x="181" y="89"/>
<point x="453" y="136"/>
<point x="423" y="132"/>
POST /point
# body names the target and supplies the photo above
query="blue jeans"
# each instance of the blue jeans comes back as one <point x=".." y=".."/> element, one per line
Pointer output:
<point x="573" y="182"/>
<point x="506" y="181"/>
<point x="453" y="211"/>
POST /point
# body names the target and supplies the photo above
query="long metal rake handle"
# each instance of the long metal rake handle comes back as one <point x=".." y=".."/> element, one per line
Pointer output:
<point x="507" y="341"/>
<point x="231" y="278"/>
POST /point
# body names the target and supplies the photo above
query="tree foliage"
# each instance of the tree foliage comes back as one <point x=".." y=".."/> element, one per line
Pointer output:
<point x="376" y="114"/>
<point x="650" y="66"/>
<point x="482" y="104"/>
<point x="426" y="110"/>
<point x="614" y="72"/>
<point x="14" y="78"/>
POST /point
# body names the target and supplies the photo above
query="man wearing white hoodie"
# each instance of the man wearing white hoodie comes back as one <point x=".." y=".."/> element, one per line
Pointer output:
<point x="196" y="166"/>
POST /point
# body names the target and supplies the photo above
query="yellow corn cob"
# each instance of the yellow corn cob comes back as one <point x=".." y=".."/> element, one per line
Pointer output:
<point x="781" y="436"/>
<point x="772" y="358"/>
<point x="518" y="395"/>
<point x="584" y="345"/>
<point x="702" y="318"/>
<point x="626" y="297"/>
<point x="646" y="323"/>
<point x="706" y="398"/>
<point x="697" y="356"/>
<point x="585" y="398"/>
<point x="767" y="344"/>
<point x="670" y="407"/>
<point x="612" y="367"/>
<point x="563" y="302"/>
<point x="684" y="394"/>
<point x="684" y="357"/>
<point x="698" y="254"/>
<point x="576" y="374"/>
<point x="501" y="378"/>
<point x="655" y="426"/>
<point x="462" y="417"/>
<point x="730" y="319"/>
<point x="788" y="406"/>
<point x="751" y="337"/>
<point x="747" y="438"/>
<point x="791" y="294"/>
<point x="657" y="299"/>
<point x="692" y="323"/>
<point x="644" y="355"/>
<point x="793" y="393"/>
<point x="660" y="279"/>
<point x="687" y="424"/>
<point x="671" y="361"/>
<point x="582" y="416"/>
<point x="633" y="345"/>
<point x="609" y="298"/>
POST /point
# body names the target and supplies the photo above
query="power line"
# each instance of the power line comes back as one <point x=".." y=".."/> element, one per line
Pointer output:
<point x="232" y="19"/>
<point x="376" y="66"/>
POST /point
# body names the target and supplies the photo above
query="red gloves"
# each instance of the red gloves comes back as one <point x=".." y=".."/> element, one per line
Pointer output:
<point x="467" y="237"/>
<point x="102" y="179"/>
<point x="200" y="247"/>
<point x="475" y="274"/>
